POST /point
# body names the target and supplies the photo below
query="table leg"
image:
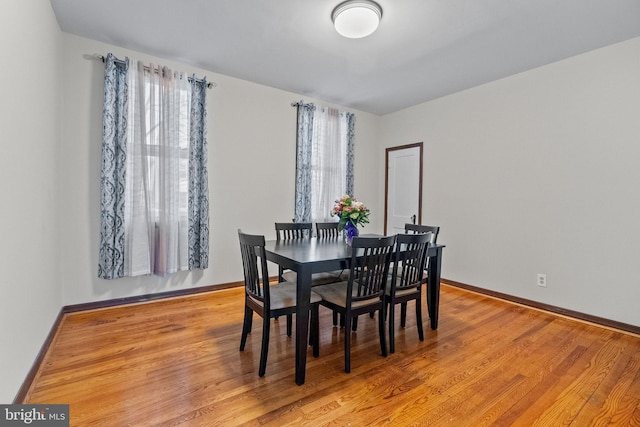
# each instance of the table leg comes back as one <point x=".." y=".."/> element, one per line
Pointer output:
<point x="433" y="287"/>
<point x="303" y="295"/>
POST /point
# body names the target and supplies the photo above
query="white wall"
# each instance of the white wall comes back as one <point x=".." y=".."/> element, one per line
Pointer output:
<point x="30" y="45"/>
<point x="539" y="173"/>
<point x="251" y="134"/>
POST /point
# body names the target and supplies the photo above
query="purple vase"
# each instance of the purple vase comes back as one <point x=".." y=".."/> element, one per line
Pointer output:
<point x="350" y="231"/>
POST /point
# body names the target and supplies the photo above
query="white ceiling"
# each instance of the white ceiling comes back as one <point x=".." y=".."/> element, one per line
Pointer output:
<point x="423" y="49"/>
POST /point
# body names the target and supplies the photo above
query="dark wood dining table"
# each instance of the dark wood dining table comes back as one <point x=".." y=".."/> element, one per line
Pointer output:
<point x="308" y="256"/>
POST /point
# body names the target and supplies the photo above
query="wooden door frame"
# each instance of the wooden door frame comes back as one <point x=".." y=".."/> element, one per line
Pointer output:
<point x="386" y="180"/>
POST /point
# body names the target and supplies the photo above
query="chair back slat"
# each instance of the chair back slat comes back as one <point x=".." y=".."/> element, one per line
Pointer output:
<point x="293" y="230"/>
<point x="418" y="228"/>
<point x="254" y="263"/>
<point x="327" y="229"/>
<point x="371" y="258"/>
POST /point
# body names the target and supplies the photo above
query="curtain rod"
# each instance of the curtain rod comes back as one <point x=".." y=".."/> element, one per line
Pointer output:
<point x="314" y="106"/>
<point x="121" y="61"/>
<point x="298" y="103"/>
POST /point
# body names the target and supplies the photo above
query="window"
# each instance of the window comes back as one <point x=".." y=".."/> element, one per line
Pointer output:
<point x="324" y="166"/>
<point x="159" y="225"/>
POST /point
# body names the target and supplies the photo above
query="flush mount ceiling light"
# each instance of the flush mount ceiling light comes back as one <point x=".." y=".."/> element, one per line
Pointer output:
<point x="356" y="18"/>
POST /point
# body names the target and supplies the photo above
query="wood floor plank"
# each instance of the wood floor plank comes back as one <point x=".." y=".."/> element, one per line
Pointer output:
<point x="573" y="399"/>
<point x="609" y="395"/>
<point x="176" y="362"/>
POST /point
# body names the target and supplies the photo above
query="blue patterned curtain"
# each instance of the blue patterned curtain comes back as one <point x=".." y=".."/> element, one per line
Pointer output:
<point x="303" y="162"/>
<point x="113" y="172"/>
<point x="198" y="178"/>
<point x="351" y="120"/>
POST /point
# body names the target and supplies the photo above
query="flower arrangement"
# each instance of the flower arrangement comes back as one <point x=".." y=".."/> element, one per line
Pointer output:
<point x="351" y="213"/>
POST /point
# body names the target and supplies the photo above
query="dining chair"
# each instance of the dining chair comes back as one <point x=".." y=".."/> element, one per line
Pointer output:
<point x="289" y="231"/>
<point x="404" y="284"/>
<point x="293" y="230"/>
<point x="268" y="301"/>
<point x="419" y="228"/>
<point x="301" y="230"/>
<point x="364" y="290"/>
<point x="414" y="229"/>
<point x="327" y="229"/>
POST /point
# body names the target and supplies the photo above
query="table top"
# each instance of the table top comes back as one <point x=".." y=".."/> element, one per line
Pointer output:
<point x="313" y="251"/>
<point x="310" y="250"/>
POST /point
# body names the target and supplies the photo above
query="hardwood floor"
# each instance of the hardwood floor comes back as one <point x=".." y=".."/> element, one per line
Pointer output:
<point x="176" y="362"/>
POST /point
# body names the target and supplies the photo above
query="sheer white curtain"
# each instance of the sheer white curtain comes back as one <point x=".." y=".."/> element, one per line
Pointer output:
<point x="156" y="206"/>
<point x="328" y="161"/>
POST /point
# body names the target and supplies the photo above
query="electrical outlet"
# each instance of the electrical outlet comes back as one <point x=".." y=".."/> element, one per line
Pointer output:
<point x="542" y="280"/>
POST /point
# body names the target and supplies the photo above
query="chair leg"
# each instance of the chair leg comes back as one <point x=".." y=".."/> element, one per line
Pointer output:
<point x="246" y="326"/>
<point x="419" y="318"/>
<point x="315" y="329"/>
<point x="289" y="324"/>
<point x="264" y="351"/>
<point x="403" y="314"/>
<point x="347" y="344"/>
<point x="354" y="324"/>
<point x="381" y="331"/>
<point x="392" y="340"/>
<point x="335" y="318"/>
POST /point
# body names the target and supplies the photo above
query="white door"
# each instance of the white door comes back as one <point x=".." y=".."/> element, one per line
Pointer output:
<point x="403" y="187"/>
